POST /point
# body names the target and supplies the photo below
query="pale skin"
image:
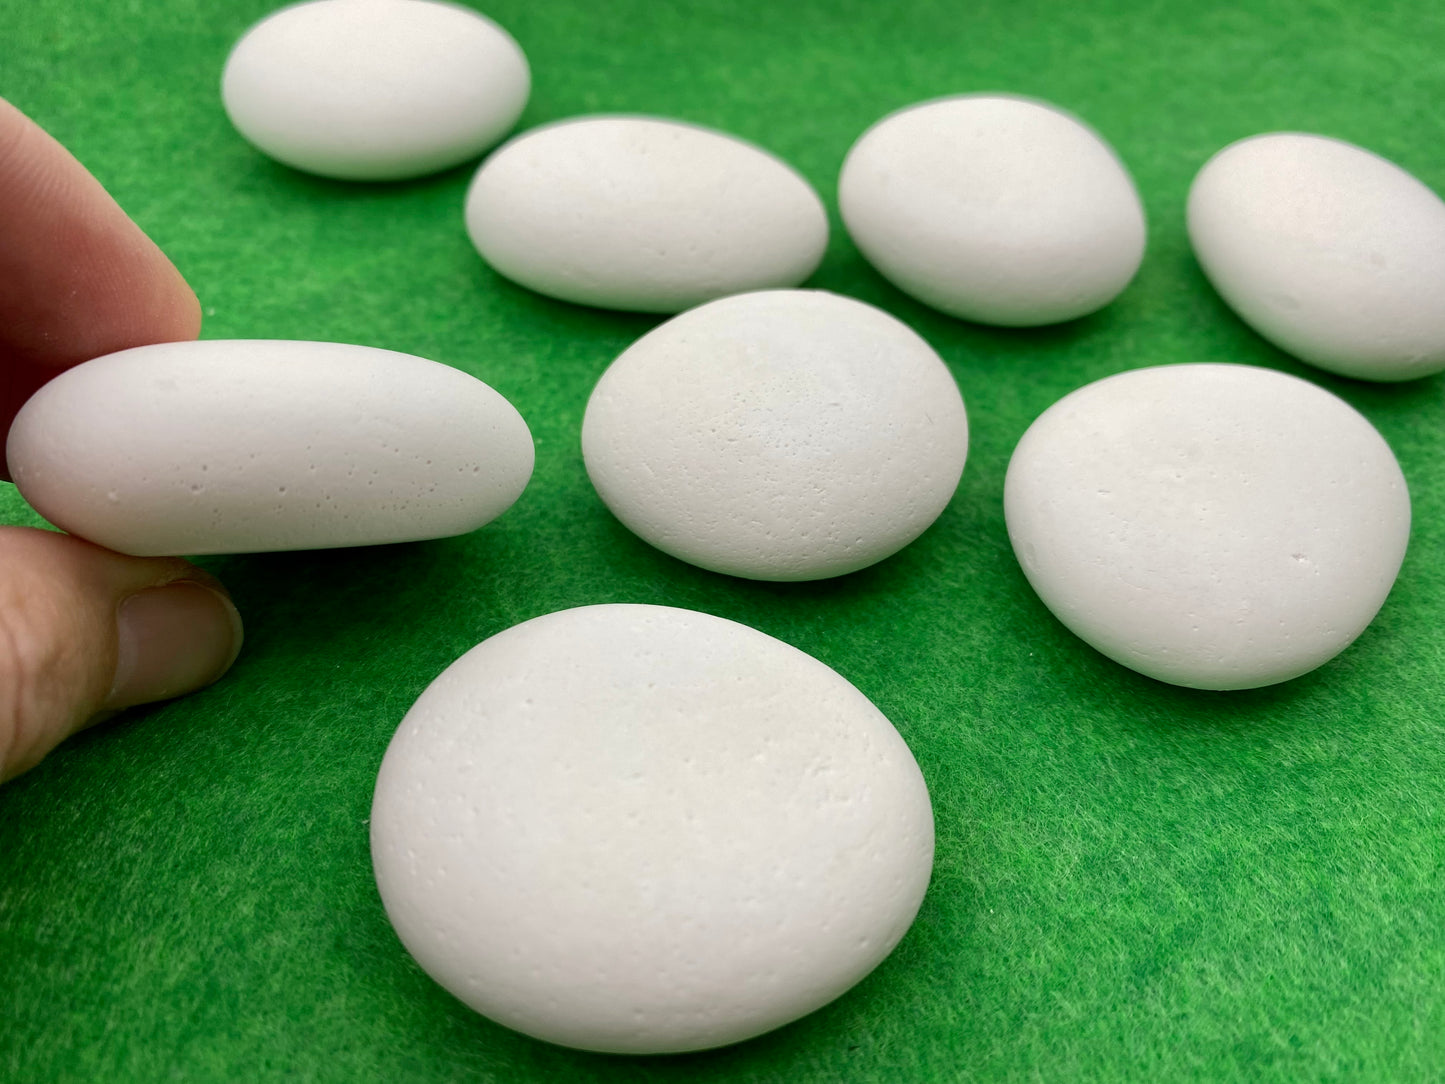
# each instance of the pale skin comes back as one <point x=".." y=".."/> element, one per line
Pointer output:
<point x="85" y="632"/>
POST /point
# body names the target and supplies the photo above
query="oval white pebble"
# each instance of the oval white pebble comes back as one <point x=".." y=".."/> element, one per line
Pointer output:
<point x="1332" y="253"/>
<point x="639" y="829"/>
<point x="643" y="214"/>
<point x="782" y="435"/>
<point x="994" y="208"/>
<point x="375" y="90"/>
<point x="232" y="446"/>
<point x="1215" y="526"/>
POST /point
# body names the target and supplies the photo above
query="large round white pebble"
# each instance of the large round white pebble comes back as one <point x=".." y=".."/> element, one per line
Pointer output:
<point x="375" y="90"/>
<point x="1215" y="526"/>
<point x="994" y="208"/>
<point x="782" y="435"/>
<point x="232" y="446"/>
<point x="639" y="829"/>
<point x="644" y="214"/>
<point x="1332" y="253"/>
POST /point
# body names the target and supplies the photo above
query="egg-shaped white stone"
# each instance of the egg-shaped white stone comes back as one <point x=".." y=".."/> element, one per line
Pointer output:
<point x="375" y="90"/>
<point x="1332" y="253"/>
<point x="1215" y="526"/>
<point x="643" y="214"/>
<point x="232" y="446"/>
<point x="781" y="435"/>
<point x="994" y="208"/>
<point x="640" y="829"/>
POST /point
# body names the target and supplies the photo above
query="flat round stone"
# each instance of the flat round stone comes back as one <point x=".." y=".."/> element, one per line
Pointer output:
<point x="1332" y="253"/>
<point x="643" y="213"/>
<point x="641" y="829"/>
<point x="780" y="435"/>
<point x="375" y="90"/>
<point x="247" y="445"/>
<point x="994" y="208"/>
<point x="1215" y="526"/>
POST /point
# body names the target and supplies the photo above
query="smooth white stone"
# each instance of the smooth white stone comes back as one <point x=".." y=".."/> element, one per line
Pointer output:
<point x="782" y="435"/>
<point x="640" y="829"/>
<point x="1215" y="526"/>
<point x="375" y="90"/>
<point x="242" y="445"/>
<point x="644" y="214"/>
<point x="998" y="209"/>
<point x="1330" y="252"/>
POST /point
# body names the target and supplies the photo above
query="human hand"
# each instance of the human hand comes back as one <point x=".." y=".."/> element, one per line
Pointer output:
<point x="85" y="632"/>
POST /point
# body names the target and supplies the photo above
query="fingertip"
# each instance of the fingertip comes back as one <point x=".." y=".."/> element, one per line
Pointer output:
<point x="78" y="278"/>
<point x="172" y="640"/>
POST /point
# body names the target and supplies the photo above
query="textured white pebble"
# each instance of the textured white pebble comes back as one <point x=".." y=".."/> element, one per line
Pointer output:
<point x="643" y="214"/>
<point x="781" y="435"/>
<point x="1215" y="526"/>
<point x="375" y="90"/>
<point x="640" y="829"/>
<point x="242" y="445"/>
<point x="994" y="208"/>
<point x="1330" y="252"/>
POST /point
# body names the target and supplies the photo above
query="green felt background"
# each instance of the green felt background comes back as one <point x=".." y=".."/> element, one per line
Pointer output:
<point x="1133" y="881"/>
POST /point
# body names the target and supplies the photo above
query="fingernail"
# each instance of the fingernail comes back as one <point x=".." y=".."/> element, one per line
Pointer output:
<point x="172" y="640"/>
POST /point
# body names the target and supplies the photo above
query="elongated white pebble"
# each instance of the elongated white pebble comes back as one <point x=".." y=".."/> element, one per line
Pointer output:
<point x="242" y="445"/>
<point x="1332" y="253"/>
<point x="643" y="830"/>
<point x="1215" y="526"/>
<point x="375" y="90"/>
<point x="781" y="435"/>
<point x="995" y="208"/>
<point x="643" y="213"/>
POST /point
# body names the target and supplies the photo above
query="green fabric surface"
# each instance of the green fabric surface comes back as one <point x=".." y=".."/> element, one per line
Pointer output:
<point x="1133" y="881"/>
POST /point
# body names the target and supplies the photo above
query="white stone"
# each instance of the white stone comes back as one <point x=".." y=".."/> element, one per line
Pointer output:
<point x="231" y="446"/>
<point x="1330" y="252"/>
<point x="643" y="214"/>
<point x="375" y="90"/>
<point x="1215" y="526"/>
<point x="997" y="209"/>
<point x="781" y="435"/>
<point x="640" y="829"/>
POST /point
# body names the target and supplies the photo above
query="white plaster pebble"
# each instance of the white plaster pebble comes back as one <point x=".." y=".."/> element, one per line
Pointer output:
<point x="375" y="90"/>
<point x="1214" y="526"/>
<point x="994" y="208"/>
<point x="643" y="214"/>
<point x="239" y="445"/>
<point x="780" y="435"/>
<point x="640" y="829"/>
<point x="1332" y="253"/>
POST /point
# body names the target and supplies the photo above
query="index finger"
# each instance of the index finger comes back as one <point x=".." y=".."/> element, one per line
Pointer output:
<point x="78" y="278"/>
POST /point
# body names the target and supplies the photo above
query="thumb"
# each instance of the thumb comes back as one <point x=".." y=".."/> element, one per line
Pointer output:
<point x="85" y="632"/>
